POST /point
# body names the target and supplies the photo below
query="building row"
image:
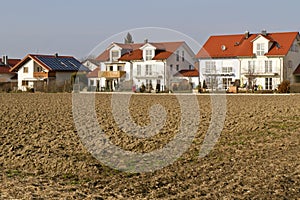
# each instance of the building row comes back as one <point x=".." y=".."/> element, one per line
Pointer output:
<point x="248" y="60"/>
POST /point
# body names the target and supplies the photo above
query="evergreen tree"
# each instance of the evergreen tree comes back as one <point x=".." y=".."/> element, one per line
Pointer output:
<point x="128" y="39"/>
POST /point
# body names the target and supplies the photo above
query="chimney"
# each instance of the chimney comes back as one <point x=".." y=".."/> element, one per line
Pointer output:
<point x="247" y="34"/>
<point x="146" y="41"/>
<point x="5" y="59"/>
<point x="264" y="32"/>
<point x="56" y="55"/>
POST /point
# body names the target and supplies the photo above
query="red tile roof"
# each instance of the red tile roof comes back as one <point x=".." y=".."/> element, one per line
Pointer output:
<point x="94" y="73"/>
<point x="240" y="46"/>
<point x="163" y="51"/>
<point x="12" y="62"/>
<point x="187" y="73"/>
<point x="162" y="55"/>
<point x="134" y="55"/>
<point x="5" y="69"/>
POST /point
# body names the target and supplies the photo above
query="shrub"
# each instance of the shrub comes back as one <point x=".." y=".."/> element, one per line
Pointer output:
<point x="284" y="87"/>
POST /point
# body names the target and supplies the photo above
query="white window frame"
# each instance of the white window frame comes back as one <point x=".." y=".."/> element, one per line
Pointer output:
<point x="251" y="66"/>
<point x="138" y="70"/>
<point x="115" y="55"/>
<point x="226" y="82"/>
<point x="210" y="67"/>
<point x="268" y="66"/>
<point x="260" y="49"/>
<point x="268" y="83"/>
<point x="227" y="70"/>
<point x="148" y="70"/>
<point x="148" y="54"/>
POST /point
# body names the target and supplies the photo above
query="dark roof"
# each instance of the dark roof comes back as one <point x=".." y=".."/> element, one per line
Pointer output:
<point x="54" y="63"/>
<point x="11" y="62"/>
<point x="297" y="71"/>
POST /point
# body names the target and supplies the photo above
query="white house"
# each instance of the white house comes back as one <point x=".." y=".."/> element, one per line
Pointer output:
<point x="151" y="64"/>
<point x="262" y="59"/>
<point x="92" y="64"/>
<point x="38" y="71"/>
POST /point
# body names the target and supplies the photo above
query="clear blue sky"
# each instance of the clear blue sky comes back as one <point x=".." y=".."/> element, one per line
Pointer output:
<point x="75" y="27"/>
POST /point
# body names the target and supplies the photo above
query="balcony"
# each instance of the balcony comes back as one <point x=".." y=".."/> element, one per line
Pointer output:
<point x="40" y="74"/>
<point x="111" y="74"/>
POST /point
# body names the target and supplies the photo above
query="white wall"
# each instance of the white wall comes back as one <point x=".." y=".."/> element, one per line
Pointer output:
<point x="294" y="58"/>
<point x="220" y="63"/>
<point x="26" y="76"/>
<point x="157" y="73"/>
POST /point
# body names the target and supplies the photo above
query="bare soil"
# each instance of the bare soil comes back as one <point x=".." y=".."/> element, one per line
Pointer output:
<point x="256" y="156"/>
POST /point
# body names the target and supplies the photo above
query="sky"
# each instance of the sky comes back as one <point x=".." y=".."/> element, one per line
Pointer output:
<point x="76" y="27"/>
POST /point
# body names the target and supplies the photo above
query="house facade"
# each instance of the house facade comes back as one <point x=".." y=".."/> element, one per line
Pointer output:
<point x="39" y="71"/>
<point x="150" y="64"/>
<point x="262" y="60"/>
<point x="6" y="76"/>
<point x="92" y="64"/>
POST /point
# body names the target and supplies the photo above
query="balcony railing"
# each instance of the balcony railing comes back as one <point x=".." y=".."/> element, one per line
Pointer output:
<point x="111" y="74"/>
<point x="40" y="74"/>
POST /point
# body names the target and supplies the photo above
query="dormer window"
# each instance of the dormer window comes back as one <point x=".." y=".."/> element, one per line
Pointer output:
<point x="149" y="54"/>
<point x="115" y="55"/>
<point x="260" y="49"/>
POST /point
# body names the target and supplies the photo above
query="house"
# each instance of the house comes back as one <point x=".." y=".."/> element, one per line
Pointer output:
<point x="153" y="64"/>
<point x="91" y="63"/>
<point x="40" y="71"/>
<point x="94" y="80"/>
<point x="6" y="76"/>
<point x="188" y="79"/>
<point x="261" y="59"/>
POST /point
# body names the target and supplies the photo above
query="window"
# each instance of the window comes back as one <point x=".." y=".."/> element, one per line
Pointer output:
<point x="177" y="56"/>
<point x="211" y="82"/>
<point x="226" y="82"/>
<point x="260" y="49"/>
<point x="38" y="69"/>
<point x="210" y="67"/>
<point x="171" y="68"/>
<point x="115" y="55"/>
<point x="91" y="82"/>
<point x="182" y="56"/>
<point x="148" y="70"/>
<point x="268" y="66"/>
<point x="25" y="70"/>
<point x="138" y="70"/>
<point x="268" y="84"/>
<point x="111" y="68"/>
<point x="251" y="67"/>
<point x="290" y="64"/>
<point x="149" y="55"/>
<point x="24" y="83"/>
<point x="177" y="67"/>
<point x="227" y="70"/>
<point x="191" y="67"/>
<point x="119" y="68"/>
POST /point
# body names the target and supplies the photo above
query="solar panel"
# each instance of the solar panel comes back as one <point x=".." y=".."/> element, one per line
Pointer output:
<point x="62" y="63"/>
